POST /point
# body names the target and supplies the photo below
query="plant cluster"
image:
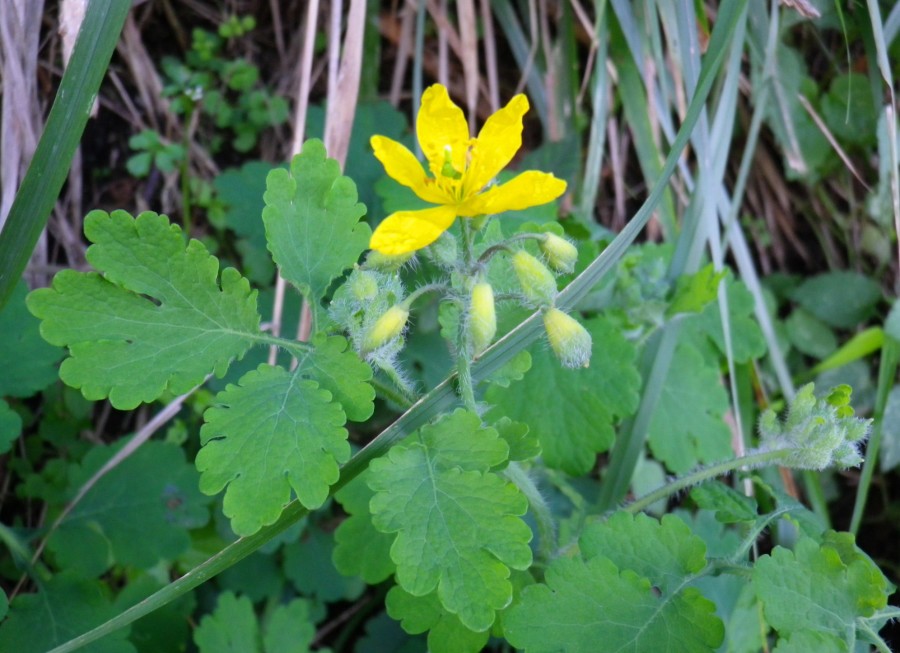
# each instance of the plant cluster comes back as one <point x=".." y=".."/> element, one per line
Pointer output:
<point x="499" y="427"/>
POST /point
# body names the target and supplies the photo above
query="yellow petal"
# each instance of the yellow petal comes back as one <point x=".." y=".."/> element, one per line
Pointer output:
<point x="531" y="188"/>
<point x="441" y="128"/>
<point x="402" y="166"/>
<point x="407" y="231"/>
<point x="497" y="143"/>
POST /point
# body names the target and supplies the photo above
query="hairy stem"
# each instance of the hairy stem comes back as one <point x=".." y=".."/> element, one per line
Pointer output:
<point x="706" y="473"/>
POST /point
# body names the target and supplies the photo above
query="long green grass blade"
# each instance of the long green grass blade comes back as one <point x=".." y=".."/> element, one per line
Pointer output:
<point x="48" y="169"/>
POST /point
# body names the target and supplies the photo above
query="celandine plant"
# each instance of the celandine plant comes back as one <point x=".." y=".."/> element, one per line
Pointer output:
<point x="476" y="516"/>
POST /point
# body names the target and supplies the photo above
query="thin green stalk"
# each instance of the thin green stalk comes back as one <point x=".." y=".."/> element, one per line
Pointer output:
<point x="706" y="473"/>
<point x="887" y="372"/>
<point x="443" y="398"/>
<point x="45" y="176"/>
<point x="391" y="393"/>
<point x="293" y="346"/>
<point x="875" y="638"/>
<point x="465" y="385"/>
<point x="543" y="517"/>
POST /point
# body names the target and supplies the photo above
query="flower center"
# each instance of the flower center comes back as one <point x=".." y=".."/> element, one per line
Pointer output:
<point x="448" y="170"/>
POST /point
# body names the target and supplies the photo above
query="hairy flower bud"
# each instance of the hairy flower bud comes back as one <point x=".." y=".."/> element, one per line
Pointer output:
<point x="386" y="328"/>
<point x="560" y="253"/>
<point x="387" y="262"/>
<point x="537" y="282"/>
<point x="364" y="285"/>
<point x="482" y="317"/>
<point x="443" y="251"/>
<point x="569" y="340"/>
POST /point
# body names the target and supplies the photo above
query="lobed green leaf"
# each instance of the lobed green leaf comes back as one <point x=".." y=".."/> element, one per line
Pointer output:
<point x="583" y="603"/>
<point x="312" y="221"/>
<point x="153" y="490"/>
<point x="819" y="587"/>
<point x="155" y="320"/>
<point x="578" y="423"/>
<point x="457" y="524"/>
<point x="64" y="607"/>
<point x="687" y="427"/>
<point x="29" y="361"/>
<point x="342" y="373"/>
<point x="664" y="551"/>
<point x="274" y="433"/>
<point x="446" y="633"/>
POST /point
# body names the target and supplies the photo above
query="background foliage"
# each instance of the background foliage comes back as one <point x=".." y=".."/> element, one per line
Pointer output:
<point x="768" y="259"/>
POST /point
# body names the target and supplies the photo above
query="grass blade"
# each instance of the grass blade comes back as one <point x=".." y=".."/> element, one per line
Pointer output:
<point x="79" y="87"/>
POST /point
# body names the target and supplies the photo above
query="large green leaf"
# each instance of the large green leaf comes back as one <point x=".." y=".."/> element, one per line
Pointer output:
<point x="578" y="422"/>
<point x="372" y="560"/>
<point x="29" y="362"/>
<point x="233" y="627"/>
<point x="824" y="588"/>
<point x="457" y="524"/>
<point x="312" y="220"/>
<point x="152" y="491"/>
<point x="687" y="427"/>
<point x="840" y="299"/>
<point x="64" y="607"/>
<point x="664" y="552"/>
<point x="156" y="319"/>
<point x="628" y="592"/>
<point x="446" y="633"/>
<point x="273" y="433"/>
<point x="342" y="373"/>
<point x="585" y="603"/>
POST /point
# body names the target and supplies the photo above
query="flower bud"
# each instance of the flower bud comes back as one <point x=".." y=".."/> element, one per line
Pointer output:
<point x="386" y="328"/>
<point x="443" y="251"/>
<point x="482" y="317"/>
<point x="569" y="340"/>
<point x="537" y="282"/>
<point x="364" y="285"/>
<point x="560" y="253"/>
<point x="387" y="262"/>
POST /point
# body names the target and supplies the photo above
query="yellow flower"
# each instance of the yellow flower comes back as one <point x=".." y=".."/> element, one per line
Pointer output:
<point x="461" y="169"/>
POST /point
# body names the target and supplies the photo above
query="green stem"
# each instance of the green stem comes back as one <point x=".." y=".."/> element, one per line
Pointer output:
<point x="890" y="354"/>
<point x="405" y="389"/>
<point x="465" y="385"/>
<point x="224" y="559"/>
<point x="491" y="251"/>
<point x="293" y="346"/>
<point x="427" y="288"/>
<point x="706" y="473"/>
<point x="392" y="393"/>
<point x="874" y="638"/>
<point x="547" y="542"/>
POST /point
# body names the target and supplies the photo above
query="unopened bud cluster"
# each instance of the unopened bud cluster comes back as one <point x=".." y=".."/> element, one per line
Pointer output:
<point x="374" y="308"/>
<point x="371" y="307"/>
<point x="819" y="433"/>
<point x="569" y="340"/>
